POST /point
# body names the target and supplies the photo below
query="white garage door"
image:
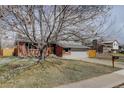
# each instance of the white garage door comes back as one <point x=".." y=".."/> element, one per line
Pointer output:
<point x="76" y="55"/>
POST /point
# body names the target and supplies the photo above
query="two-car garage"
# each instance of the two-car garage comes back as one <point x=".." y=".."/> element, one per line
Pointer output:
<point x="76" y="55"/>
<point x="73" y="50"/>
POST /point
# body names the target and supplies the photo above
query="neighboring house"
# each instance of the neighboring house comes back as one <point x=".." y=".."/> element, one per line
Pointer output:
<point x="109" y="46"/>
<point x="105" y="48"/>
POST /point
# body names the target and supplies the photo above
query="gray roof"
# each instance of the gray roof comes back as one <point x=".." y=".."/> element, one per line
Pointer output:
<point x="23" y="40"/>
<point x="71" y="44"/>
<point x="64" y="44"/>
<point x="107" y="42"/>
<point x="74" y="46"/>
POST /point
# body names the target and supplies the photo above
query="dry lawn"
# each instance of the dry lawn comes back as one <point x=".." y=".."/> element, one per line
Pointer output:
<point x="51" y="73"/>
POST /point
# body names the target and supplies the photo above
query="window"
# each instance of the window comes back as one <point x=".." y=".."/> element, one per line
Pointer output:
<point x="67" y="49"/>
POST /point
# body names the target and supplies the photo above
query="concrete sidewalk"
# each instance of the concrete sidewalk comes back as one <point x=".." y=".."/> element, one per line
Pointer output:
<point x="104" y="62"/>
<point x="104" y="81"/>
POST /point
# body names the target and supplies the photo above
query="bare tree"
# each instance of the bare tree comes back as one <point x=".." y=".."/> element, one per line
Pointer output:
<point x="46" y="24"/>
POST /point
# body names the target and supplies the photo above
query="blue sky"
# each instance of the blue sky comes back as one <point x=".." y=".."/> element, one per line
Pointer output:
<point x="117" y="28"/>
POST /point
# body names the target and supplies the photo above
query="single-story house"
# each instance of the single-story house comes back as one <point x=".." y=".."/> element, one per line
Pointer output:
<point x="24" y="48"/>
<point x="65" y="49"/>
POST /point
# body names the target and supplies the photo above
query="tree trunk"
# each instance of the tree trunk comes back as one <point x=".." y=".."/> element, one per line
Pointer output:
<point x="41" y="57"/>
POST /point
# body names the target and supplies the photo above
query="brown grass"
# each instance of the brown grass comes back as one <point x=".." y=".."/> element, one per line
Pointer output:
<point x="54" y="72"/>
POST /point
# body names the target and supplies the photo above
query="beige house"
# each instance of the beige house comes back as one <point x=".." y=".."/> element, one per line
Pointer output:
<point x="109" y="46"/>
